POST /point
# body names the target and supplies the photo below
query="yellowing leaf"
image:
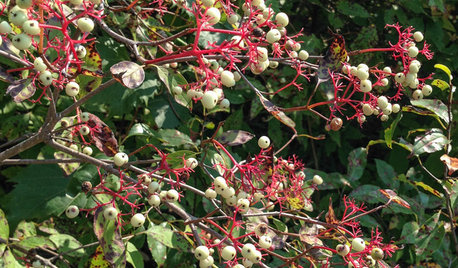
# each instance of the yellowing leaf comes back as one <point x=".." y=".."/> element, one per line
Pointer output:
<point x="445" y="69"/>
<point x="98" y="259"/>
<point x="440" y="84"/>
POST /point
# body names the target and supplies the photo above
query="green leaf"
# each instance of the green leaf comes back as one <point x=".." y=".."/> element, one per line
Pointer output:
<point x="157" y="249"/>
<point x="35" y="242"/>
<point x="174" y="138"/>
<point x="168" y="237"/>
<point x="140" y="129"/>
<point x="36" y="190"/>
<point x="432" y="141"/>
<point x="390" y="131"/>
<point x="67" y="244"/>
<point x="24" y="230"/>
<point x="4" y="228"/>
<point x="435" y="106"/>
<point x="280" y="225"/>
<point x="431" y="238"/>
<point x="385" y="171"/>
<point x="409" y="233"/>
<point x="357" y="160"/>
<point x="366" y="193"/>
<point x="352" y="9"/>
<point x="163" y="114"/>
<point x="445" y="69"/>
<point x="133" y="256"/>
<point x="8" y="260"/>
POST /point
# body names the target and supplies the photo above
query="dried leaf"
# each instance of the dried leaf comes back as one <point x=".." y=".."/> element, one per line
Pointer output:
<point x="128" y="73"/>
<point x="21" y="90"/>
<point x="391" y="195"/>
<point x="450" y="162"/>
<point x="331" y="216"/>
<point x="102" y="136"/>
<point x="235" y="137"/>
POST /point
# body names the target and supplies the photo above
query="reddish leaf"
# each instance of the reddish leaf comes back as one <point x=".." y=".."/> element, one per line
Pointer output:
<point x="102" y="136"/>
<point x="450" y="162"/>
<point x="391" y="195"/>
<point x="331" y="216"/>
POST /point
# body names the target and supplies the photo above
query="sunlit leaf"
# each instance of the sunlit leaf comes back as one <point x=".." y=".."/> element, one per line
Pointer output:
<point x="415" y="110"/>
<point x="21" y="90"/>
<point x="134" y="256"/>
<point x="68" y="244"/>
<point x="391" y="195"/>
<point x="450" y="162"/>
<point x="440" y="84"/>
<point x="68" y="168"/>
<point x="235" y="137"/>
<point x="168" y="237"/>
<point x="435" y="106"/>
<point x="130" y="74"/>
<point x="4" y="230"/>
<point x="98" y="259"/>
<point x="390" y="131"/>
<point x="445" y="69"/>
<point x="102" y="136"/>
<point x="432" y="141"/>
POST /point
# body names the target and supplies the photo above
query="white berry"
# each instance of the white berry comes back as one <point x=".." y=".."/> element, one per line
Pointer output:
<point x="358" y="244"/>
<point x="87" y="150"/>
<point x="427" y="90"/>
<point x="228" y="253"/>
<point x="382" y="102"/>
<point x="342" y="250"/>
<point x="365" y="85"/>
<point x="201" y="252"/>
<point x="399" y="77"/>
<point x="248" y="249"/>
<point x="153" y="187"/>
<point x="282" y="19"/>
<point x="418" y="36"/>
<point x="224" y="104"/>
<point x="417" y="94"/>
<point x="17" y="16"/>
<point x="45" y="78"/>
<point x="210" y="193"/>
<point x="412" y="51"/>
<point x="39" y="65"/>
<point x="303" y="55"/>
<point x="265" y="242"/>
<point x="209" y="99"/>
<point x="31" y="27"/>
<point x="207" y="263"/>
<point x="110" y="213"/>
<point x="84" y="130"/>
<point x="227" y="78"/>
<point x="264" y="142"/>
<point x="24" y="3"/>
<point x="137" y="220"/>
<point x="228" y="192"/>
<point x="172" y="195"/>
<point x="86" y="25"/>
<point x="243" y="204"/>
<point x="22" y="41"/>
<point x="5" y="27"/>
<point x="317" y="179"/>
<point x="273" y="36"/>
<point x="120" y="159"/>
<point x="191" y="163"/>
<point x="396" y="108"/>
<point x="214" y="15"/>
<point x="72" y="89"/>
<point x="154" y="200"/>
<point x="72" y="211"/>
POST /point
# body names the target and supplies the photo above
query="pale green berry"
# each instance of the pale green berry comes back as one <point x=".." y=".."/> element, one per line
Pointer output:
<point x="80" y="51"/>
<point x="45" y="78"/>
<point x="137" y="220"/>
<point x="84" y="117"/>
<point x="154" y="200"/>
<point x="273" y="64"/>
<point x="5" y="27"/>
<point x="362" y="74"/>
<point x="120" y="159"/>
<point x="387" y="70"/>
<point x="365" y="86"/>
<point x="410" y="77"/>
<point x="350" y="264"/>
<point x="399" y="77"/>
<point x="233" y="18"/>
<point x="214" y="15"/>
<point x="273" y="36"/>
<point x="72" y="89"/>
<point x="210" y="193"/>
<point x="22" y="41"/>
<point x="31" y="27"/>
<point x="396" y="108"/>
<point x="227" y="78"/>
<point x="243" y="204"/>
<point x="87" y="150"/>
<point x="384" y="82"/>
<point x="358" y="244"/>
<point x="76" y="2"/>
<point x="382" y="102"/>
<point x="282" y="19"/>
<point x="228" y="253"/>
<point x="247" y="263"/>
<point x="268" y="13"/>
<point x="427" y="90"/>
<point x="17" y="16"/>
<point x="225" y="104"/>
<point x="304" y="55"/>
<point x="84" y="130"/>
<point x="74" y="147"/>
<point x="412" y="51"/>
<point x="384" y="117"/>
<point x="265" y="242"/>
<point x="110" y="213"/>
<point x="39" y="65"/>
<point x="191" y="163"/>
<point x="414" y="68"/>
<point x="172" y="195"/>
<point x="264" y="142"/>
<point x="418" y="36"/>
<point x="361" y="119"/>
<point x="248" y="249"/>
<point x="86" y="25"/>
<point x="388" y="109"/>
<point x="231" y="201"/>
<point x="209" y="99"/>
<point x="262" y="54"/>
<point x="363" y="66"/>
<point x="317" y="179"/>
<point x="256" y="257"/>
<point x="153" y="187"/>
<point x="417" y="95"/>
<point x="237" y="76"/>
<point x="207" y="262"/>
<point x="228" y="192"/>
<point x="342" y="250"/>
<point x="72" y="211"/>
<point x="24" y="3"/>
<point x="377" y="253"/>
<point x="293" y="54"/>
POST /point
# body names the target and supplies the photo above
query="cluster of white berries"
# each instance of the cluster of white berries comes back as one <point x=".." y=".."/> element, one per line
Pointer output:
<point x="358" y="245"/>
<point x="249" y="252"/>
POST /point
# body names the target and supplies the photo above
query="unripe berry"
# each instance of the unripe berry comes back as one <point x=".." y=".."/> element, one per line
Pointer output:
<point x="5" y="27"/>
<point x="377" y="254"/>
<point x="231" y="201"/>
<point x="210" y="193"/>
<point x="282" y="19"/>
<point x="396" y="108"/>
<point x="154" y="200"/>
<point x="387" y="70"/>
<point x="265" y="242"/>
<point x="399" y="77"/>
<point x="273" y="36"/>
<point x="256" y="257"/>
<point x="153" y="187"/>
<point x="317" y="179"/>
<point x="228" y="253"/>
<point x="86" y="25"/>
<point x="84" y="117"/>
<point x="388" y="109"/>
<point x="172" y="195"/>
<point x="80" y="51"/>
<point x="384" y="117"/>
<point x="84" y="130"/>
<point x="228" y="192"/>
<point x="264" y="142"/>
<point x="384" y="82"/>
<point x="137" y="220"/>
<point x="418" y="36"/>
<point x="336" y="123"/>
<point x="110" y="213"/>
<point x="362" y="74"/>
<point x="342" y="250"/>
<point x="233" y="18"/>
<point x="227" y="78"/>
<point x="248" y="249"/>
<point x="243" y="204"/>
<point x="31" y="27"/>
<point x="382" y="102"/>
<point x="209" y="99"/>
<point x="17" y="16"/>
<point x="358" y="244"/>
<point x="214" y="15"/>
<point x="412" y="51"/>
<point x="87" y="150"/>
<point x="72" y="89"/>
<point x="207" y="262"/>
<point x="224" y="104"/>
<point x="303" y="55"/>
<point x="191" y="163"/>
<point x="74" y="147"/>
<point x="417" y="95"/>
<point x="365" y="86"/>
<point x="120" y="159"/>
<point x="414" y="68"/>
<point x="426" y="90"/>
<point x="72" y="211"/>
<point x="201" y="252"/>
<point x="39" y="65"/>
<point x="45" y="78"/>
<point x="22" y="41"/>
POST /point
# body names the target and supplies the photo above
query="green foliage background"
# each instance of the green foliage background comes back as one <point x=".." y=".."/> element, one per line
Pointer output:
<point x="35" y="193"/>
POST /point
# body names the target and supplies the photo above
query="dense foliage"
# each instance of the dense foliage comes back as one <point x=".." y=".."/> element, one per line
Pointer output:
<point x="216" y="132"/>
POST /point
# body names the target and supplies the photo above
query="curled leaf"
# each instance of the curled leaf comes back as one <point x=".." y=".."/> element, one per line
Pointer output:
<point x="450" y="162"/>
<point x="128" y="73"/>
<point x="445" y="69"/>
<point x="391" y="195"/>
<point x="432" y="141"/>
<point x="21" y="90"/>
<point x="102" y="136"/>
<point x="235" y="137"/>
